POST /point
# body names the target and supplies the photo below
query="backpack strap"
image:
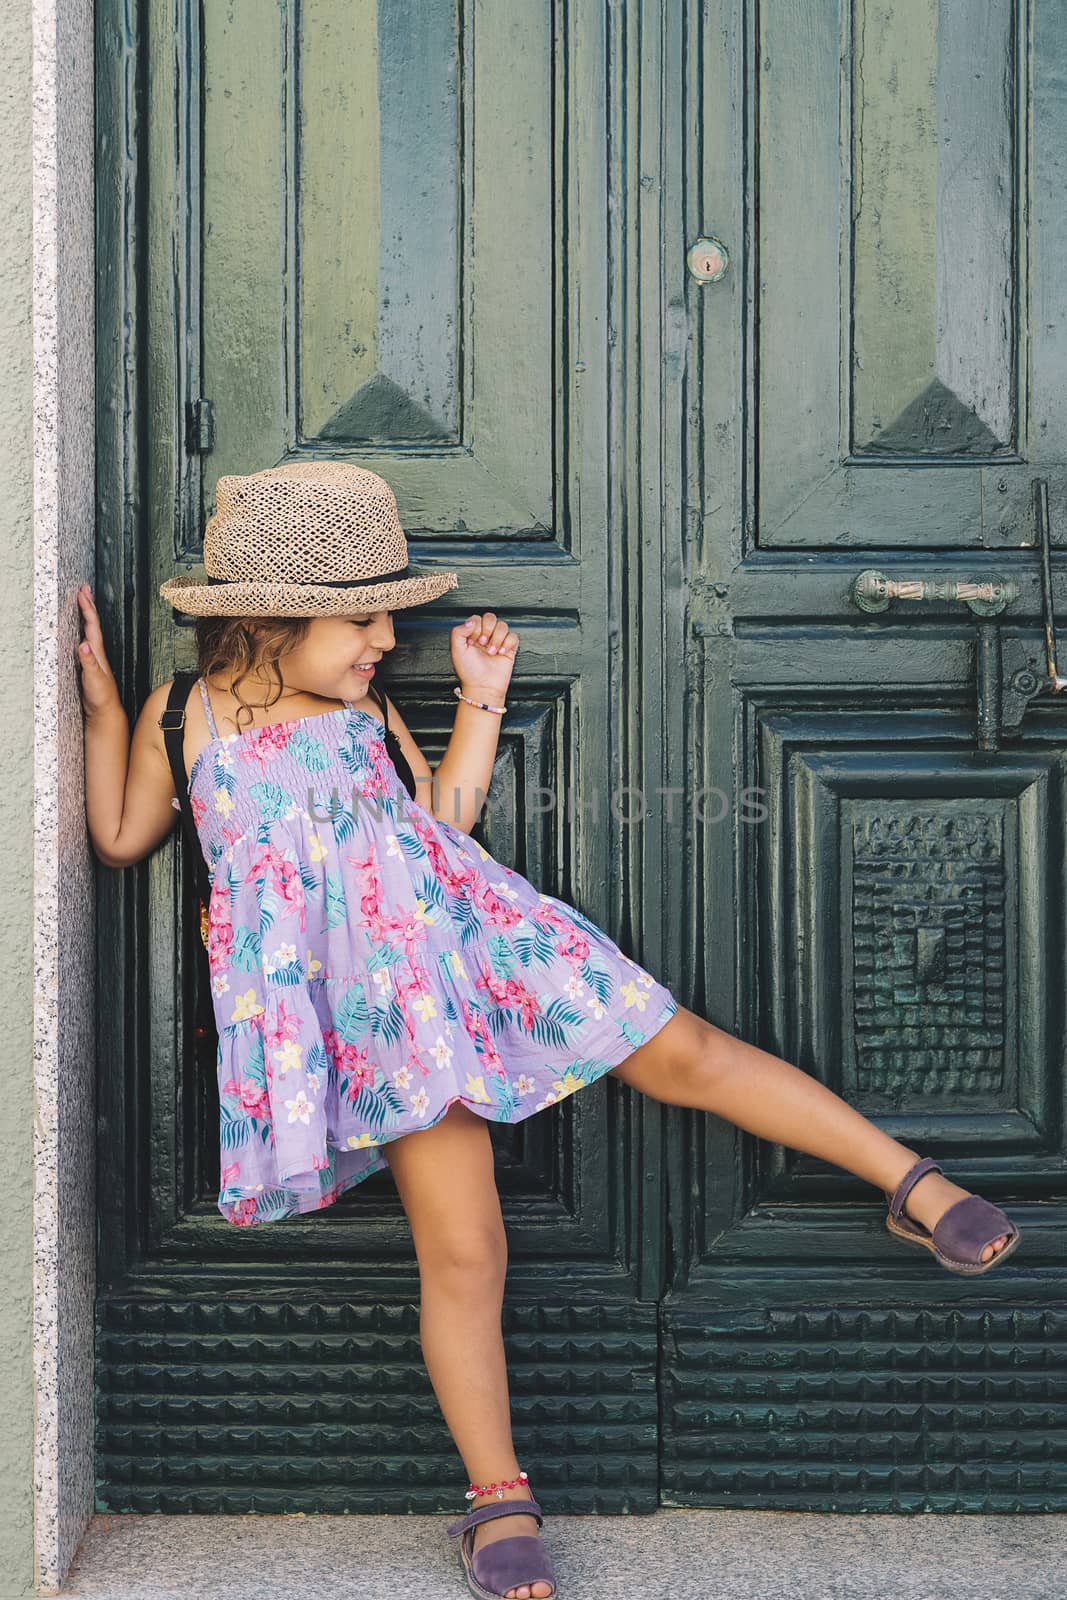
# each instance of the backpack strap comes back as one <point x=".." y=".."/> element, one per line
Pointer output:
<point x="393" y="745"/>
<point x="172" y="723"/>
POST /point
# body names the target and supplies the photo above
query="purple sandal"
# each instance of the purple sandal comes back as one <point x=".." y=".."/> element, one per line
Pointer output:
<point x="959" y="1236"/>
<point x="506" y="1563"/>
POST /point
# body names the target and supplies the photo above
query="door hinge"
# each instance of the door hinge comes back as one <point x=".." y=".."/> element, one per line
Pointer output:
<point x="199" y="426"/>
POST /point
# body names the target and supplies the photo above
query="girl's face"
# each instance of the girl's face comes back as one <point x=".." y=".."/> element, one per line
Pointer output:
<point x="330" y="660"/>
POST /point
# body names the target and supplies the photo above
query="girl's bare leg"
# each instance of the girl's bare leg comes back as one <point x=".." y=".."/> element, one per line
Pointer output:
<point x="446" y="1181"/>
<point x="691" y="1062"/>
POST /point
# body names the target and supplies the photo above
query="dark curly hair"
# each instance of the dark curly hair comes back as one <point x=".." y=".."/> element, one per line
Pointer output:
<point x="240" y="645"/>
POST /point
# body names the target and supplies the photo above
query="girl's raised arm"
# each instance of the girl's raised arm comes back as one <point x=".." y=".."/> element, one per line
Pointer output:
<point x="128" y="789"/>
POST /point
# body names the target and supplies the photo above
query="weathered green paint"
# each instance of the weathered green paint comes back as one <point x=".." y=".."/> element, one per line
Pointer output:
<point x="669" y="489"/>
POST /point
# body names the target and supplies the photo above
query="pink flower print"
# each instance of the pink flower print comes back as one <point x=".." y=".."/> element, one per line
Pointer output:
<point x="351" y="1062"/>
<point x="575" y="946"/>
<point x="199" y="807"/>
<point x="288" y="1028"/>
<point x="501" y="913"/>
<point x="254" y="1099"/>
<point x="265" y="743"/>
<point x="510" y="992"/>
<point x="244" y="1211"/>
<point x="285" y="878"/>
<point x="370" y="882"/>
<point x="219" y="934"/>
<point x="409" y="931"/>
<point x="475" y="1026"/>
<point x="230" y="1174"/>
<point x="551" y="916"/>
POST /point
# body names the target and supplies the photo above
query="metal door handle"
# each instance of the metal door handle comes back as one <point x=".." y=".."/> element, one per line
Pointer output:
<point x="873" y="591"/>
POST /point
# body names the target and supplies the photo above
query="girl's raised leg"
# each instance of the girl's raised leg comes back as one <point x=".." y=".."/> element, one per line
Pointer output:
<point x="447" y="1184"/>
<point x="691" y="1062"/>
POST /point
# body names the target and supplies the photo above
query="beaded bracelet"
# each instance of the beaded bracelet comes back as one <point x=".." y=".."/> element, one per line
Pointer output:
<point x="482" y="706"/>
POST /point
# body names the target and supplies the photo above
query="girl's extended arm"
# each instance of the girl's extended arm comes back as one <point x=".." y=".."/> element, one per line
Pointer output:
<point x="128" y="789"/>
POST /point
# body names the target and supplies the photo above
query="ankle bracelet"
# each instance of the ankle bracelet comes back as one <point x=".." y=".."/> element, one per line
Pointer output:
<point x="494" y="1488"/>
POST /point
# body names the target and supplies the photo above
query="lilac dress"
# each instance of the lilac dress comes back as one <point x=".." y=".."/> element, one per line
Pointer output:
<point x="371" y="964"/>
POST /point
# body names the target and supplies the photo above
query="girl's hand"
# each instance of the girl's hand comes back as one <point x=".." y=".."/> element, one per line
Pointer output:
<point x="98" y="686"/>
<point x="483" y="654"/>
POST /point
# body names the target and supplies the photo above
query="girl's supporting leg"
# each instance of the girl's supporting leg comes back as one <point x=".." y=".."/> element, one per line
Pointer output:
<point x="691" y="1062"/>
<point x="446" y="1181"/>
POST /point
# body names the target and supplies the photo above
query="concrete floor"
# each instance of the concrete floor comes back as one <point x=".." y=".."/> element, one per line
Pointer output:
<point x="669" y="1555"/>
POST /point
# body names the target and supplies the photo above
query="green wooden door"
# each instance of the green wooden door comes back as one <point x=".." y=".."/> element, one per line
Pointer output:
<point x="875" y="384"/>
<point x="450" y="242"/>
<point x="384" y="234"/>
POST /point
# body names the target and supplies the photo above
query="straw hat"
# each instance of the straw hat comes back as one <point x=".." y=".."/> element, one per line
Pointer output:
<point x="307" y="539"/>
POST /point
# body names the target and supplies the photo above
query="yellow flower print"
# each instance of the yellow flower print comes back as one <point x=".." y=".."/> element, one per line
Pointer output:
<point x="245" y="1006"/>
<point x="632" y="996"/>
<point x="425" y="1006"/>
<point x="420" y="912"/>
<point x="476" y="1089"/>
<point x="566" y="1085"/>
<point x="393" y="844"/>
<point x="290" y="1055"/>
<point x="223" y="802"/>
<point x="595" y="1006"/>
<point x="457" y="965"/>
<point x="317" y="850"/>
<point x="361" y="1141"/>
<point x="419" y="1103"/>
<point x="402" y="1077"/>
<point x="312" y="964"/>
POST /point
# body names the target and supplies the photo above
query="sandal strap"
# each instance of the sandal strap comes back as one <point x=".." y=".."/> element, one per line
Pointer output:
<point x="968" y="1226"/>
<point x="924" y="1165"/>
<point x="497" y="1508"/>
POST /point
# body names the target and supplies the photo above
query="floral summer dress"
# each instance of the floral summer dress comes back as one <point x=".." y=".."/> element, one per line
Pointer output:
<point x="371" y="964"/>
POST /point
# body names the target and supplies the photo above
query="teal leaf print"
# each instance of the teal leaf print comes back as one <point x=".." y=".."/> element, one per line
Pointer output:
<point x="315" y="1060"/>
<point x="336" y="909"/>
<point x="272" y="801"/>
<point x="236" y="1127"/>
<point x="599" y="981"/>
<point x="537" y="946"/>
<point x="465" y="918"/>
<point x="310" y="752"/>
<point x="387" y="1022"/>
<point x="287" y="976"/>
<point x="410" y="842"/>
<point x="429" y="890"/>
<point x="352" y="1016"/>
<point x="503" y="1098"/>
<point x="273" y="1204"/>
<point x="247" y="952"/>
<point x="377" y="1104"/>
<point x="549" y="1028"/>
<point x="502" y="956"/>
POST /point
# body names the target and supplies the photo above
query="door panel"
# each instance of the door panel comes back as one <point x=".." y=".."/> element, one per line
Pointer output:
<point x="390" y="234"/>
<point x="893" y="919"/>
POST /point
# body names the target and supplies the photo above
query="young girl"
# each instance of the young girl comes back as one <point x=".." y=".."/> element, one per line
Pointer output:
<point x="383" y="988"/>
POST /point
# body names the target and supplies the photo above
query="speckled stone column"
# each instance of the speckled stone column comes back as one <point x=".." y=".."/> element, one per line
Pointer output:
<point x="63" y="422"/>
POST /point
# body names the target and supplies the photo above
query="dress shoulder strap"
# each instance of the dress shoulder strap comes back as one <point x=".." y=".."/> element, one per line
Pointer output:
<point x="207" y="708"/>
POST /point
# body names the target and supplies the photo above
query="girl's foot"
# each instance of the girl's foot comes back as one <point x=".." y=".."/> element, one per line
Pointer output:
<point x="510" y="1528"/>
<point x="931" y="1197"/>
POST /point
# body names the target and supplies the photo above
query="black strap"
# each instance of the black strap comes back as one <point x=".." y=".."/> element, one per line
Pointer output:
<point x="173" y="724"/>
<point x="393" y="745"/>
